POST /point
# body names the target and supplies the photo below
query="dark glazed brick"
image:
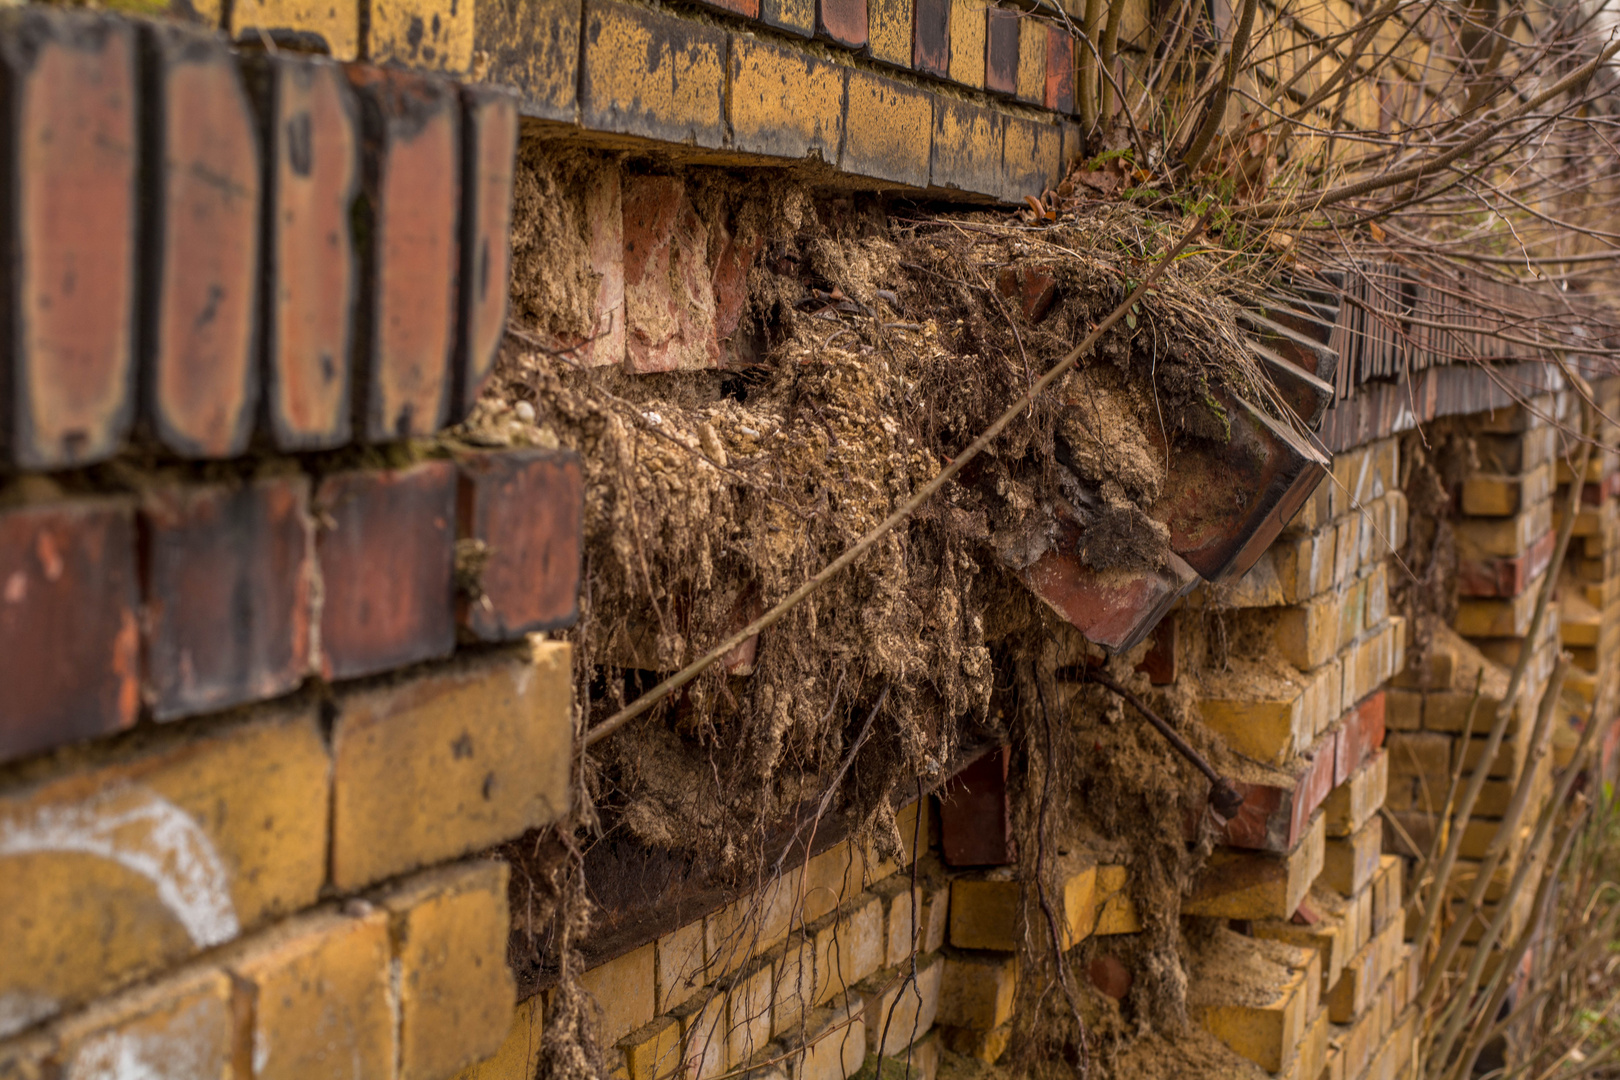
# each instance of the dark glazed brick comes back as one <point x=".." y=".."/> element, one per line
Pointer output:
<point x="527" y="507"/>
<point x="842" y="20"/>
<point x="489" y="130"/>
<point x="311" y="268"/>
<point x="69" y="630"/>
<point x="975" y="816"/>
<point x="931" y="43"/>
<point x="386" y="550"/>
<point x="409" y="252"/>
<point x="1059" y="70"/>
<point x="1001" y="50"/>
<point x="201" y="258"/>
<point x="227" y="579"/>
<point x="68" y="222"/>
<point x="653" y="75"/>
<point x="793" y="16"/>
<point x="533" y="47"/>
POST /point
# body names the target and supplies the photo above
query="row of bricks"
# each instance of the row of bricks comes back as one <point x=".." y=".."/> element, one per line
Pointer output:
<point x="410" y="983"/>
<point x="1339" y="927"/>
<point x="207" y="249"/>
<point x="1310" y="633"/>
<point x="1276" y="1019"/>
<point x="195" y="598"/>
<point x="1302" y="564"/>
<point x="123" y="860"/>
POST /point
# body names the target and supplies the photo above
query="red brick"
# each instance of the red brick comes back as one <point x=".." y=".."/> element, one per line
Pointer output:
<point x="1001" y="50"/>
<point x="386" y="550"/>
<point x="668" y="292"/>
<point x="842" y="20"/>
<point x="931" y="43"/>
<point x="528" y="508"/>
<point x="730" y="259"/>
<point x="411" y="255"/>
<point x="1034" y="287"/>
<point x="1360" y="736"/>
<point x="489" y="136"/>
<point x="1505" y="578"/>
<point x="227" y="574"/>
<point x="1110" y="976"/>
<point x="1276" y="811"/>
<point x="746" y="8"/>
<point x="1159" y="665"/>
<point x="1059" y="70"/>
<point x="69" y="632"/>
<point x="67" y="379"/>
<point x="201" y="275"/>
<point x="975" y="817"/>
<point x="311" y="267"/>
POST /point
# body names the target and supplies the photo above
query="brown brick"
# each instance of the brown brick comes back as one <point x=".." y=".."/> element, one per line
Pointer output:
<point x="421" y="34"/>
<point x="652" y="75"/>
<point x="533" y="48"/>
<point x="1113" y="610"/>
<point x="311" y="269"/>
<point x="527" y="507"/>
<point x="67" y="382"/>
<point x="489" y="132"/>
<point x="69" y="631"/>
<point x="1059" y="93"/>
<point x="180" y="1028"/>
<point x="784" y="102"/>
<point x="889" y="29"/>
<point x="449" y="929"/>
<point x="386" y="549"/>
<point x="932" y="43"/>
<point x="791" y="16"/>
<point x="887" y="130"/>
<point x="1001" y="50"/>
<point x="200" y="276"/>
<point x="449" y="763"/>
<point x="228" y="573"/>
<point x="410" y="254"/>
<point x="318" y="990"/>
<point x="299" y="24"/>
<point x="133" y="859"/>
<point x="842" y="20"/>
<point x="976" y="816"/>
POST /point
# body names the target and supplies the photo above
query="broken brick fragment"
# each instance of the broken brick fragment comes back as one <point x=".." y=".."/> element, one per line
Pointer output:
<point x="975" y="815"/>
<point x="668" y="289"/>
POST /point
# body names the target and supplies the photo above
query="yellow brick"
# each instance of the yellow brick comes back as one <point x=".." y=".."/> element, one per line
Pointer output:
<point x="1031" y="59"/>
<point x="1264" y="1018"/>
<point x="182" y="1027"/>
<point x="977" y="989"/>
<point x="319" y="987"/>
<point x="967" y="42"/>
<point x="985" y="1046"/>
<point x="448" y="763"/>
<point x="888" y="130"/>
<point x="1308" y="635"/>
<point x="1352" y="612"/>
<point x="680" y="963"/>
<point x="1482" y="538"/>
<point x="1304" y="565"/>
<point x="831" y="1044"/>
<point x="1330" y="936"/>
<point x="652" y="75"/>
<point x="703" y="1036"/>
<point x="748" y="1009"/>
<point x="1349" y="862"/>
<point x="984" y="912"/>
<point x="653" y="1052"/>
<point x="134" y="858"/>
<point x="1271" y="729"/>
<point x="1116" y="911"/>
<point x="533" y="48"/>
<point x="889" y="31"/>
<point x="26" y="1058"/>
<point x="336" y="22"/>
<point x="901" y="1005"/>
<point x="795" y="991"/>
<point x="422" y="34"/>
<point x="784" y="102"/>
<point x="519" y="1055"/>
<point x="1403" y="710"/>
<point x="623" y="989"/>
<point x="449" y="929"/>
<point x="1478" y="617"/>
<point x="1356" y="800"/>
<point x="901" y="903"/>
<point x="1488" y="495"/>
<point x="1459" y="710"/>
<point x="1238" y="884"/>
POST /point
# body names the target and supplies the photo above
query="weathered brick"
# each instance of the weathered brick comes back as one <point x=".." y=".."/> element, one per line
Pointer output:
<point x="1352" y="803"/>
<point x="449" y="763"/>
<point x="489" y="134"/>
<point x="1058" y="93"/>
<point x="1277" y="803"/>
<point x="181" y="1028"/>
<point x="1031" y="75"/>
<point x="330" y="26"/>
<point x="1278" y="719"/>
<point x="831" y="1043"/>
<point x="749" y="1000"/>
<point x="967" y="30"/>
<point x="888" y="129"/>
<point x="784" y="102"/>
<point x="1349" y="862"/>
<point x="533" y="48"/>
<point x="527" y="508"/>
<point x="901" y="1004"/>
<point x="975" y="814"/>
<point x="310" y="126"/>
<point x="985" y="1046"/>
<point x="134" y="859"/>
<point x="681" y="970"/>
<point x="607" y="342"/>
<point x="519" y="1055"/>
<point x="967" y="145"/>
<point x="653" y="1051"/>
<point x="932" y="42"/>
<point x="228" y="572"/>
<point x="1001" y="50"/>
<point x="652" y="75"/>
<point x="984" y="908"/>
<point x="317" y="991"/>
<point x="421" y="34"/>
<point x="1116" y="911"/>
<point x="1239" y="884"/>
<point x="386" y="550"/>
<point x="69" y="625"/>
<point x="977" y="989"/>
<point x="842" y="20"/>
<point x="449" y="928"/>
<point x="623" y="990"/>
<point x="889" y="30"/>
<point x="200" y="274"/>
<point x="1263" y="1022"/>
<point x="703" y="1036"/>
<point x="668" y="295"/>
<point x="67" y="380"/>
<point x="410" y="251"/>
<point x="1113" y="610"/>
<point x="731" y="257"/>
<point x="796" y="17"/>
<point x="1031" y="157"/>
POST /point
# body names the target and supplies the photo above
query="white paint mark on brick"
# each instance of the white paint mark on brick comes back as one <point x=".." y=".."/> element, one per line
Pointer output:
<point x="20" y="1008"/>
<point x="188" y="1047"/>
